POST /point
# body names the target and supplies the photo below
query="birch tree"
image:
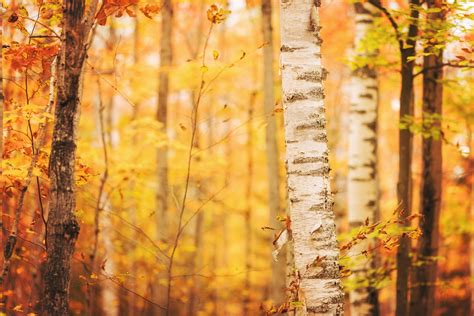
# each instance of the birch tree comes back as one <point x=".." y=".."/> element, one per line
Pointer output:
<point x="313" y="228"/>
<point x="278" y="267"/>
<point x="62" y="225"/>
<point x="362" y="185"/>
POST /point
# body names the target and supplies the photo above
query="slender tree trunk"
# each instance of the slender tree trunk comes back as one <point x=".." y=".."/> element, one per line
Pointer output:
<point x="197" y="256"/>
<point x="278" y="284"/>
<point x="313" y="227"/>
<point x="470" y="194"/>
<point x="404" y="185"/>
<point x="424" y="275"/>
<point x="197" y="259"/>
<point x="127" y="303"/>
<point x="109" y="292"/>
<point x="215" y="217"/>
<point x="248" y="209"/>
<point x="222" y="288"/>
<point x="196" y="263"/>
<point x="62" y="225"/>
<point x="166" y="55"/>
<point x="362" y="191"/>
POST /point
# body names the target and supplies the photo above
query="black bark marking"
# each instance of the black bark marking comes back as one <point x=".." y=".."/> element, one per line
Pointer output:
<point x="10" y="245"/>
<point x="321" y="138"/>
<point x="371" y="203"/>
<point x="372" y="126"/>
<point x="303" y="160"/>
<point x="317" y="207"/>
<point x="318" y="124"/>
<point x="286" y="49"/>
<point x="360" y="112"/>
<point x="313" y="76"/>
<point x="364" y="21"/>
<point x="317" y="93"/>
<point x="315" y="172"/>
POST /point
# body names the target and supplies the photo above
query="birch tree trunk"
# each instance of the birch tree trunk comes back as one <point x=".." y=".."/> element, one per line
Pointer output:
<point x="314" y="232"/>
<point x="424" y="275"/>
<point x="62" y="226"/>
<point x="362" y="191"/>
<point x="278" y="284"/>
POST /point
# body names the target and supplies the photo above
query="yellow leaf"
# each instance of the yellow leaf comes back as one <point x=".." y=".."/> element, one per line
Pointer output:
<point x="36" y="172"/>
<point x="17" y="308"/>
<point x="215" y="54"/>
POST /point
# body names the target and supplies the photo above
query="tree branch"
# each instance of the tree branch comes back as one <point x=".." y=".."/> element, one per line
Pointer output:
<point x="391" y="19"/>
<point x="442" y="66"/>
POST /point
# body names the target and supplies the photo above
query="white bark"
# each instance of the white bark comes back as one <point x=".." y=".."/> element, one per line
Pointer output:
<point x="362" y="184"/>
<point x="314" y="233"/>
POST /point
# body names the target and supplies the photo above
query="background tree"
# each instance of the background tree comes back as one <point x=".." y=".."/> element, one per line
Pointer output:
<point x="407" y="49"/>
<point x="362" y="192"/>
<point x="162" y="189"/>
<point x="278" y="284"/>
<point x="166" y="57"/>
<point x="424" y="275"/>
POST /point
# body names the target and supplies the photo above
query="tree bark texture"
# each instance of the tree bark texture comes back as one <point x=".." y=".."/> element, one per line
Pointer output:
<point x="313" y="225"/>
<point x="362" y="178"/>
<point x="424" y="274"/>
<point x="166" y="55"/>
<point x="62" y="226"/>
<point x="404" y="185"/>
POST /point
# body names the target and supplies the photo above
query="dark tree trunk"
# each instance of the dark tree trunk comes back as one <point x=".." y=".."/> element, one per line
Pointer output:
<point x="424" y="275"/>
<point x="404" y="186"/>
<point x="62" y="226"/>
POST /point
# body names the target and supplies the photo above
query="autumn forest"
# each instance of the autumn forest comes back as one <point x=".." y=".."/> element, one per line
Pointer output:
<point x="237" y="157"/>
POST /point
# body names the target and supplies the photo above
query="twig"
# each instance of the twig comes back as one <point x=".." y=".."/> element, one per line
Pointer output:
<point x="188" y="172"/>
<point x="103" y="181"/>
<point x="391" y="19"/>
<point x="12" y="238"/>
<point x="441" y="66"/>
<point x="111" y="85"/>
